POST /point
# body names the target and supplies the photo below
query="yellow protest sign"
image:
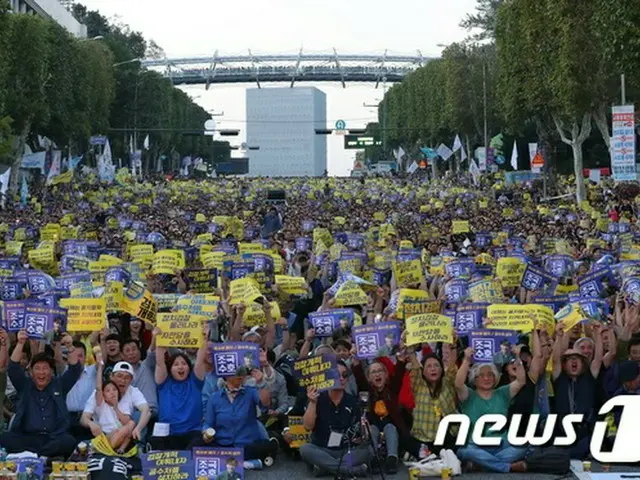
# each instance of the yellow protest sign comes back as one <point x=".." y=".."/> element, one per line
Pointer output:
<point x="140" y="251"/>
<point x="351" y="265"/>
<point x="168" y="261"/>
<point x="379" y="216"/>
<point x="298" y="434"/>
<point x="180" y="330"/>
<point x="519" y="317"/>
<point x="69" y="233"/>
<point x="109" y="260"/>
<point x="43" y="256"/>
<point x="436" y="266"/>
<point x="50" y="232"/>
<point x="510" y="271"/>
<point x="250" y="248"/>
<point x="244" y="290"/>
<point x="350" y="293"/>
<point x="98" y="269"/>
<point x="200" y="218"/>
<point x="66" y="219"/>
<point x="486" y="291"/>
<point x="565" y="289"/>
<point x="507" y="213"/>
<point x="138" y="302"/>
<point x="483" y="204"/>
<point x="113" y="294"/>
<point x="570" y="315"/>
<point x="459" y="226"/>
<point x="85" y="314"/>
<point x="406" y="244"/>
<point x="254" y="314"/>
<point x="408" y="273"/>
<point x="429" y="327"/>
<point x="13" y="248"/>
<point x="213" y="260"/>
<point x="322" y="234"/>
<point x="292" y="285"/>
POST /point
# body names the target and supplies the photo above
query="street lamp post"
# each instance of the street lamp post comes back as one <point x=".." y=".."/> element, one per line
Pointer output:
<point x="384" y="116"/>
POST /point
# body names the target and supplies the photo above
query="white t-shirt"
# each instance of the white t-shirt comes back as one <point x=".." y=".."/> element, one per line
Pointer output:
<point x="107" y="418"/>
<point x="130" y="401"/>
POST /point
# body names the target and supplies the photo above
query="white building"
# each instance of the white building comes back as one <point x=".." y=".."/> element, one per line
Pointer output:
<point x="282" y="122"/>
<point x="53" y="10"/>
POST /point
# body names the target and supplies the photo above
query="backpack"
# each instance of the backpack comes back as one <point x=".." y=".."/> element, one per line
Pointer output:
<point x="550" y="460"/>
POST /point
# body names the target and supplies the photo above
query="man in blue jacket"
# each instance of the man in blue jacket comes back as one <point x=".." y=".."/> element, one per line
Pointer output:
<point x="41" y="424"/>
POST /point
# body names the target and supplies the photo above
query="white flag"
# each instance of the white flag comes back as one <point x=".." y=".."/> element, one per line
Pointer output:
<point x="131" y="144"/>
<point x="474" y="170"/>
<point x="444" y="151"/>
<point x="399" y="154"/>
<point x="413" y="167"/>
<point x="4" y="185"/>
<point x="146" y="143"/>
<point x="54" y="170"/>
<point x="463" y="154"/>
<point x="457" y="144"/>
<point x="533" y="149"/>
<point x="514" y="156"/>
<point x="106" y="169"/>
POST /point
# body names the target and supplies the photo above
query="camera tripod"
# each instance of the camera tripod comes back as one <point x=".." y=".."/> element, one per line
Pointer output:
<point x="349" y="435"/>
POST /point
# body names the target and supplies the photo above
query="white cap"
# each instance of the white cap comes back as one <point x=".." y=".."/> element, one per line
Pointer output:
<point x="123" y="367"/>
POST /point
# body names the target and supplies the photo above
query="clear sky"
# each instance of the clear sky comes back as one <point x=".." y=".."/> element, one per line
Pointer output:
<point x="200" y="27"/>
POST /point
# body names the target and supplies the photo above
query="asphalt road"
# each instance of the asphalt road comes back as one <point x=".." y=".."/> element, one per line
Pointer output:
<point x="286" y="468"/>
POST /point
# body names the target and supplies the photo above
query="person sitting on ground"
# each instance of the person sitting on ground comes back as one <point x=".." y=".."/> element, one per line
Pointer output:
<point x="41" y="424"/>
<point x="117" y="426"/>
<point x="131" y="399"/>
<point x="384" y="413"/>
<point x="179" y="394"/>
<point x="329" y="417"/>
<point x="232" y="414"/>
<point x="487" y="399"/>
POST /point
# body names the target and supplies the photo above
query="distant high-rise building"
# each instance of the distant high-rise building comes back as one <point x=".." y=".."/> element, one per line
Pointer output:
<point x="58" y="11"/>
<point x="282" y="123"/>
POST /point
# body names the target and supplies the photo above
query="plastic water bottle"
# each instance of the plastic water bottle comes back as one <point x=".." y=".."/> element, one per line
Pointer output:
<point x="253" y="465"/>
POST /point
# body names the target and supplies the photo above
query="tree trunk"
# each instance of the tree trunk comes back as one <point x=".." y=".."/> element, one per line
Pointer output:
<point x="577" y="170"/>
<point x="435" y="169"/>
<point x="600" y="119"/>
<point x="579" y="133"/>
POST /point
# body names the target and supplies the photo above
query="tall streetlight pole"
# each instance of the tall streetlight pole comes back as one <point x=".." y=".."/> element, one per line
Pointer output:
<point x="384" y="116"/>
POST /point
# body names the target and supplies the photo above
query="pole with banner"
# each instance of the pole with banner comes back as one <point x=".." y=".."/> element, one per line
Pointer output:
<point x="623" y="143"/>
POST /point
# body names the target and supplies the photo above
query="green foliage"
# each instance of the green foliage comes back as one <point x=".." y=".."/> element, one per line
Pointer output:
<point x="483" y="21"/>
<point x="67" y="89"/>
<point x="6" y="137"/>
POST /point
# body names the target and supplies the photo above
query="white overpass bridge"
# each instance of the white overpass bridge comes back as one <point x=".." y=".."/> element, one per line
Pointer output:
<point x="51" y="9"/>
<point x="301" y="67"/>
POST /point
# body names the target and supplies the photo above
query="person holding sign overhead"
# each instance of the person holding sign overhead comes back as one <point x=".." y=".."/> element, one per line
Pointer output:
<point x="179" y="398"/>
<point x="432" y="385"/>
<point x="487" y="398"/>
<point x="231" y="418"/>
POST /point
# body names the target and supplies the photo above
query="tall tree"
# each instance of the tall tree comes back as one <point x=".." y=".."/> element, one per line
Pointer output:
<point x="483" y="22"/>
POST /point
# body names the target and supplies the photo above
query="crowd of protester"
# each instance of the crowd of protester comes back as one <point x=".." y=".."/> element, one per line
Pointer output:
<point x="117" y="384"/>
